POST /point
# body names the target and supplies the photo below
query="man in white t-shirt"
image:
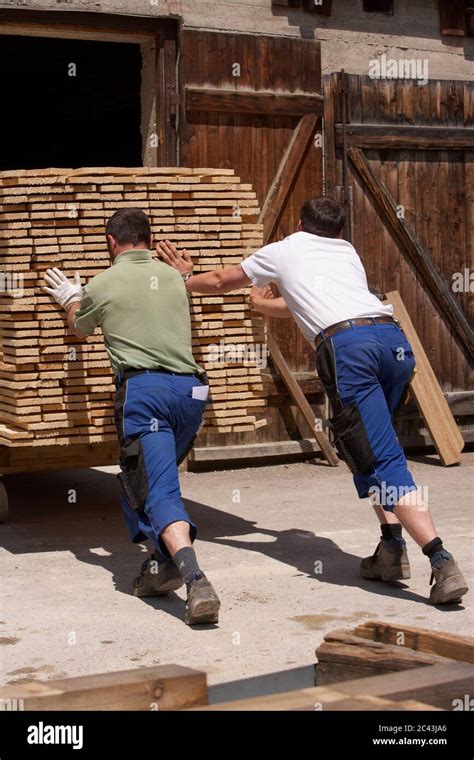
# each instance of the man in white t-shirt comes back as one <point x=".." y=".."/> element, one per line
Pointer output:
<point x="365" y="364"/>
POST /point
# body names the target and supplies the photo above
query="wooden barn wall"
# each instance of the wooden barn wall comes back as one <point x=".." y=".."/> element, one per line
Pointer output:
<point x="435" y="187"/>
<point x="254" y="144"/>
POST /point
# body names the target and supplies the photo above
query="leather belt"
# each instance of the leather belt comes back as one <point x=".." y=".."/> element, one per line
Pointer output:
<point x="347" y="323"/>
<point x="129" y="372"/>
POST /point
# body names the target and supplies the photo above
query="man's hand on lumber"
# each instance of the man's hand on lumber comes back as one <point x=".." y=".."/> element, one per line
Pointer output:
<point x="264" y="301"/>
<point x="178" y="259"/>
<point x="66" y="293"/>
<point x="61" y="288"/>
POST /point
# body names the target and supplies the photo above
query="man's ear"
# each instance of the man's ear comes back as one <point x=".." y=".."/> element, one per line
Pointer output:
<point x="111" y="244"/>
<point x="299" y="227"/>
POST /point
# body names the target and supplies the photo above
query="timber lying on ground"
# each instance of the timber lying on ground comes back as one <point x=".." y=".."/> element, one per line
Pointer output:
<point x="375" y="648"/>
<point x="357" y="670"/>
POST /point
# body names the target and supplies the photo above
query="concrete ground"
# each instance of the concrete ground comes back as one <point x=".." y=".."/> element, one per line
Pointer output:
<point x="281" y="544"/>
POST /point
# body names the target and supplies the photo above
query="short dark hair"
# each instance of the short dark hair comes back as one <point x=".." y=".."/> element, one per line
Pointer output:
<point x="130" y="225"/>
<point x="322" y="216"/>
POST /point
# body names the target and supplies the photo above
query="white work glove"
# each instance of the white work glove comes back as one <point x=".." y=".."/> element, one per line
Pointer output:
<point x="61" y="289"/>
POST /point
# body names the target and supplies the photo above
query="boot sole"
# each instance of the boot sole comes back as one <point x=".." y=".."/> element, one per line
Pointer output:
<point x="171" y="585"/>
<point x="453" y="595"/>
<point x="204" y="611"/>
<point x="400" y="573"/>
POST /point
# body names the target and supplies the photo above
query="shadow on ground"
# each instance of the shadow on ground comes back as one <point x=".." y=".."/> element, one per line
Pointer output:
<point x="92" y="529"/>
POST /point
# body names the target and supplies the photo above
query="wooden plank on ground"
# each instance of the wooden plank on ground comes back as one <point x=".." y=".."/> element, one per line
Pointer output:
<point x="434" y="686"/>
<point x="343" y="655"/>
<point x="419" y="639"/>
<point x="165" y="687"/>
<point x="427" y="393"/>
<point x="318" y="699"/>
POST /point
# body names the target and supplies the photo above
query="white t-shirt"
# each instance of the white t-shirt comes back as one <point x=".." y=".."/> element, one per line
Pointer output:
<point x="321" y="279"/>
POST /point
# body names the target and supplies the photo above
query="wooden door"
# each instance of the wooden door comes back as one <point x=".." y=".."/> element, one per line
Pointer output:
<point x="248" y="103"/>
<point x="410" y="180"/>
<point x="254" y="104"/>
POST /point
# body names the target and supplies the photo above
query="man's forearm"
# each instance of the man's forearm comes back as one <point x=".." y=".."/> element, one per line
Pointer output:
<point x="271" y="307"/>
<point x="71" y="319"/>
<point x="218" y="281"/>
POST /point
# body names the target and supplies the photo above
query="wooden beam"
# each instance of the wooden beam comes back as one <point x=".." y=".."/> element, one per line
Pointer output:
<point x="272" y="209"/>
<point x="329" y="698"/>
<point x="251" y="451"/>
<point x="309" y="383"/>
<point x="344" y="655"/>
<point x="286" y="175"/>
<point x="419" y="639"/>
<point x="395" y="137"/>
<point x="438" y="685"/>
<point x="170" y="687"/>
<point x="250" y="101"/>
<point x="434" y="685"/>
<point x="427" y="393"/>
<point x="85" y="19"/>
<point x="412" y="247"/>
<point x="300" y="400"/>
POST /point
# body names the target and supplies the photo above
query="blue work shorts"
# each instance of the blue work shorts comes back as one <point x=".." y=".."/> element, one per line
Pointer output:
<point x="157" y="419"/>
<point x="365" y="370"/>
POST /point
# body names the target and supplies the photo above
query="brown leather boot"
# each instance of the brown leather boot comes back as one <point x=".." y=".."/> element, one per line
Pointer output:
<point x="450" y="584"/>
<point x="385" y="565"/>
<point x="157" y="579"/>
<point x="202" y="604"/>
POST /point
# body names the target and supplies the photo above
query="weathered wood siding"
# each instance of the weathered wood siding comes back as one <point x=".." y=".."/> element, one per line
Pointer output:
<point x="433" y="187"/>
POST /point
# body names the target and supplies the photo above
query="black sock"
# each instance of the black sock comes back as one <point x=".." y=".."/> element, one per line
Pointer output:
<point x="187" y="564"/>
<point x="436" y="552"/>
<point x="434" y="546"/>
<point x="392" y="537"/>
<point x="390" y="531"/>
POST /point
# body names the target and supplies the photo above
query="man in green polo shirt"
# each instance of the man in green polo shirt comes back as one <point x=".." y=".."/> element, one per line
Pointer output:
<point x="142" y="308"/>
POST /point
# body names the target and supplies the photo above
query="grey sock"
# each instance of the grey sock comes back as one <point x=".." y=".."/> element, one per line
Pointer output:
<point x="187" y="564"/>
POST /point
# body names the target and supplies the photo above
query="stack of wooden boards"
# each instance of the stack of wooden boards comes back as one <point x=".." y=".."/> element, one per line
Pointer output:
<point x="55" y="389"/>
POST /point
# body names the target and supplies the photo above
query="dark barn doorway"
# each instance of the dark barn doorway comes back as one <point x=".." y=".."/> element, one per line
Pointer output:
<point x="69" y="103"/>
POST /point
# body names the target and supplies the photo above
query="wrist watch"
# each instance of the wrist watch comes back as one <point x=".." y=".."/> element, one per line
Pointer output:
<point x="186" y="277"/>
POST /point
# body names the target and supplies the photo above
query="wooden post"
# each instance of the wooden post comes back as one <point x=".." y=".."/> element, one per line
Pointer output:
<point x="300" y="400"/>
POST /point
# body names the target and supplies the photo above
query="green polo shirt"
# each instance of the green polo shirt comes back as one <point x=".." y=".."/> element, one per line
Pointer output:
<point x="142" y="307"/>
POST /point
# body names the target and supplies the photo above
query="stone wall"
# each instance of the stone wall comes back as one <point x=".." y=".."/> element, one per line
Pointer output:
<point x="350" y="37"/>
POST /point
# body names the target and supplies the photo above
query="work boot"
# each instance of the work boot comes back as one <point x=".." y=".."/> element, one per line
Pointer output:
<point x="450" y="584"/>
<point x="386" y="564"/>
<point x="202" y="605"/>
<point x="157" y="578"/>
